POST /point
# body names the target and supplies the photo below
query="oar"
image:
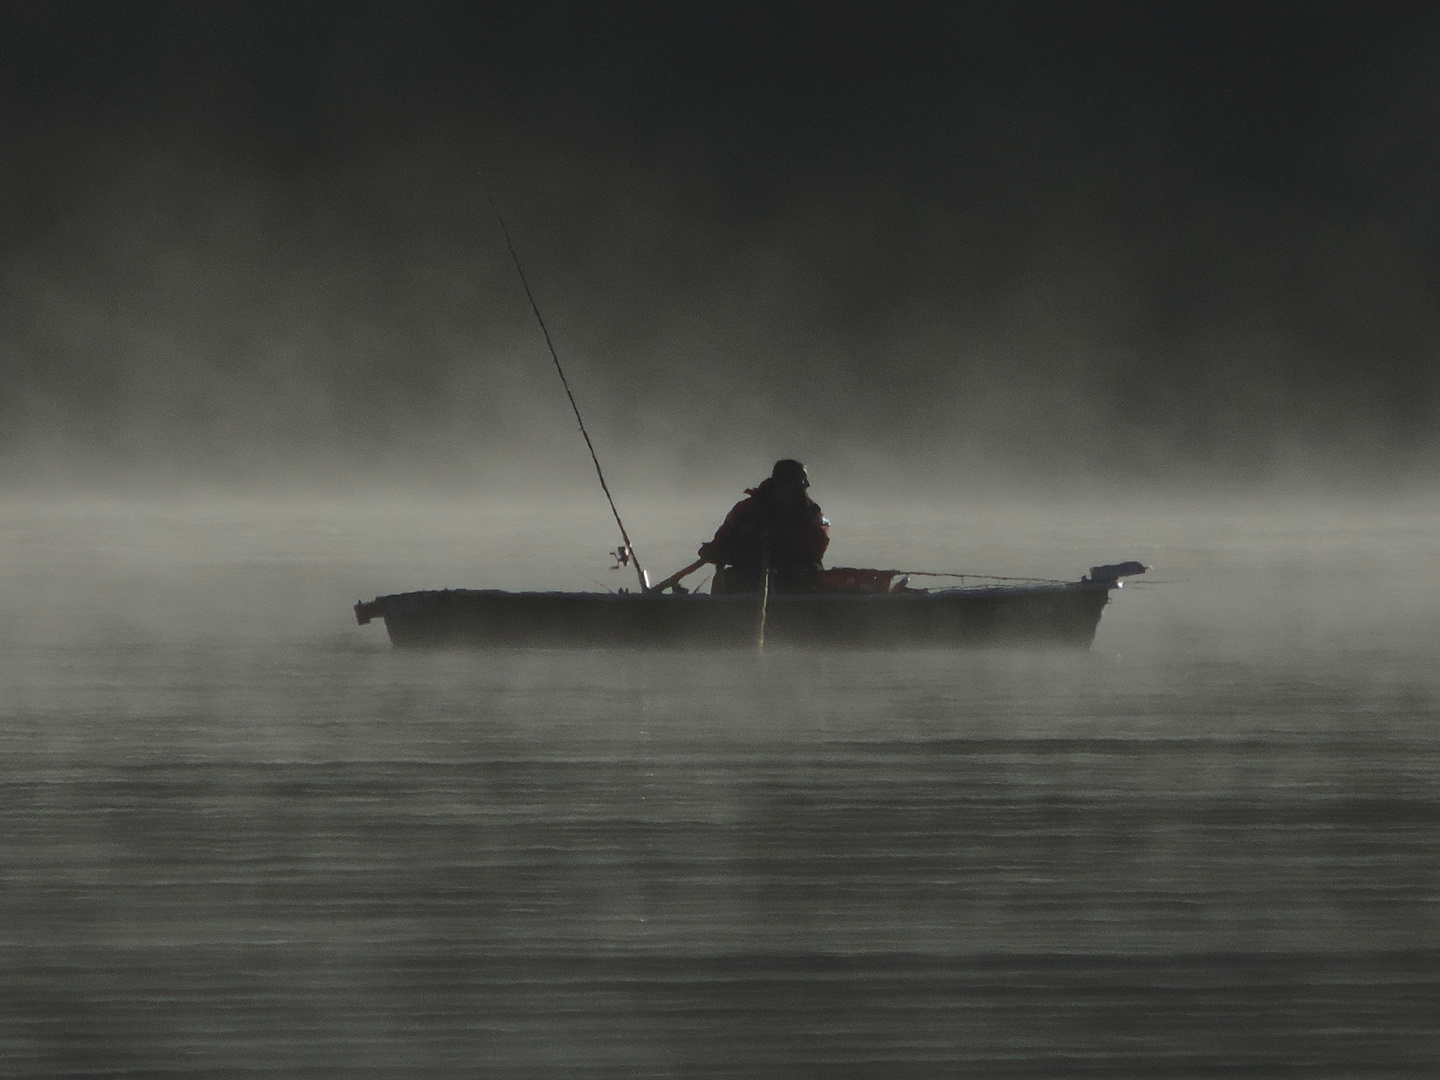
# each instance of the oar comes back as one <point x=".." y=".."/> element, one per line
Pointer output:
<point x="675" y="578"/>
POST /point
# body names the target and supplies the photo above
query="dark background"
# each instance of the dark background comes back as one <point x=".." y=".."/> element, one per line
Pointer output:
<point x="1173" y="242"/>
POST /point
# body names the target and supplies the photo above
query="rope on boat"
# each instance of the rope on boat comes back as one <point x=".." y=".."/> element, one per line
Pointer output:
<point x="629" y="549"/>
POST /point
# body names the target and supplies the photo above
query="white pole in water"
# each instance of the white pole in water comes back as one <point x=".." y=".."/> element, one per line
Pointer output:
<point x="764" y="593"/>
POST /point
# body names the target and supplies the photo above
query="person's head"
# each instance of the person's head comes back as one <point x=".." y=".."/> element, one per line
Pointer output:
<point x="788" y="479"/>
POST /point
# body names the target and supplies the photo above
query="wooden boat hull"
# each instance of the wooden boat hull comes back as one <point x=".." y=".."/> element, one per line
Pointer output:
<point x="1043" y="615"/>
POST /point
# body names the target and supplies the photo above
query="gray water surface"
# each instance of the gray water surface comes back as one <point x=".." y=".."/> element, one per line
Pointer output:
<point x="240" y="836"/>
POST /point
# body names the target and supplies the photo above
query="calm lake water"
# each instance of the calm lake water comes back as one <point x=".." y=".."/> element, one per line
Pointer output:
<point x="241" y="836"/>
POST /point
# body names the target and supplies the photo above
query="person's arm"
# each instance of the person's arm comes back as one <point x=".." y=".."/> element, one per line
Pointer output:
<point x="814" y="537"/>
<point x="721" y="549"/>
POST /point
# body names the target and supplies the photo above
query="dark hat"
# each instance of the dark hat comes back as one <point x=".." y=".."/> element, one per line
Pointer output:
<point x="790" y="471"/>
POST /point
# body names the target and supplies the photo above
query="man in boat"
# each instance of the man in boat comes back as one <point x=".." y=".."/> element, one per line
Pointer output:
<point x="776" y="524"/>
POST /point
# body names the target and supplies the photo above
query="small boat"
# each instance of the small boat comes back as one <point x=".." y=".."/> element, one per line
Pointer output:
<point x="857" y="611"/>
<point x="848" y="606"/>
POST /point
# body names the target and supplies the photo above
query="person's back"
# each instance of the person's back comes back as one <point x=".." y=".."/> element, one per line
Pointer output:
<point x="778" y="525"/>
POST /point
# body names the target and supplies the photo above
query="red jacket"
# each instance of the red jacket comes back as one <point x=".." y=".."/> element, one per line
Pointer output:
<point x="797" y="532"/>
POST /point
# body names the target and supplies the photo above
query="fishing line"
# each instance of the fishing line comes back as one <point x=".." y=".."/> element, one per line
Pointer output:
<point x="629" y="550"/>
<point x="978" y="577"/>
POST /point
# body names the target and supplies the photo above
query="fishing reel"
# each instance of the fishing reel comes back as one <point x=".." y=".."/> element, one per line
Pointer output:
<point x="624" y="555"/>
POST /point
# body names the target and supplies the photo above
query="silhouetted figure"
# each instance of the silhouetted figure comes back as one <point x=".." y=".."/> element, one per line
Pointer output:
<point x="777" y="522"/>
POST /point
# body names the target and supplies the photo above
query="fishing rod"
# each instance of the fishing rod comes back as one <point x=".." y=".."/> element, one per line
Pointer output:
<point x="626" y="553"/>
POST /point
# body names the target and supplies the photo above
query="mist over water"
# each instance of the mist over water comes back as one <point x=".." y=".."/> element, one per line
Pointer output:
<point x="1183" y="246"/>
<point x="241" y="833"/>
